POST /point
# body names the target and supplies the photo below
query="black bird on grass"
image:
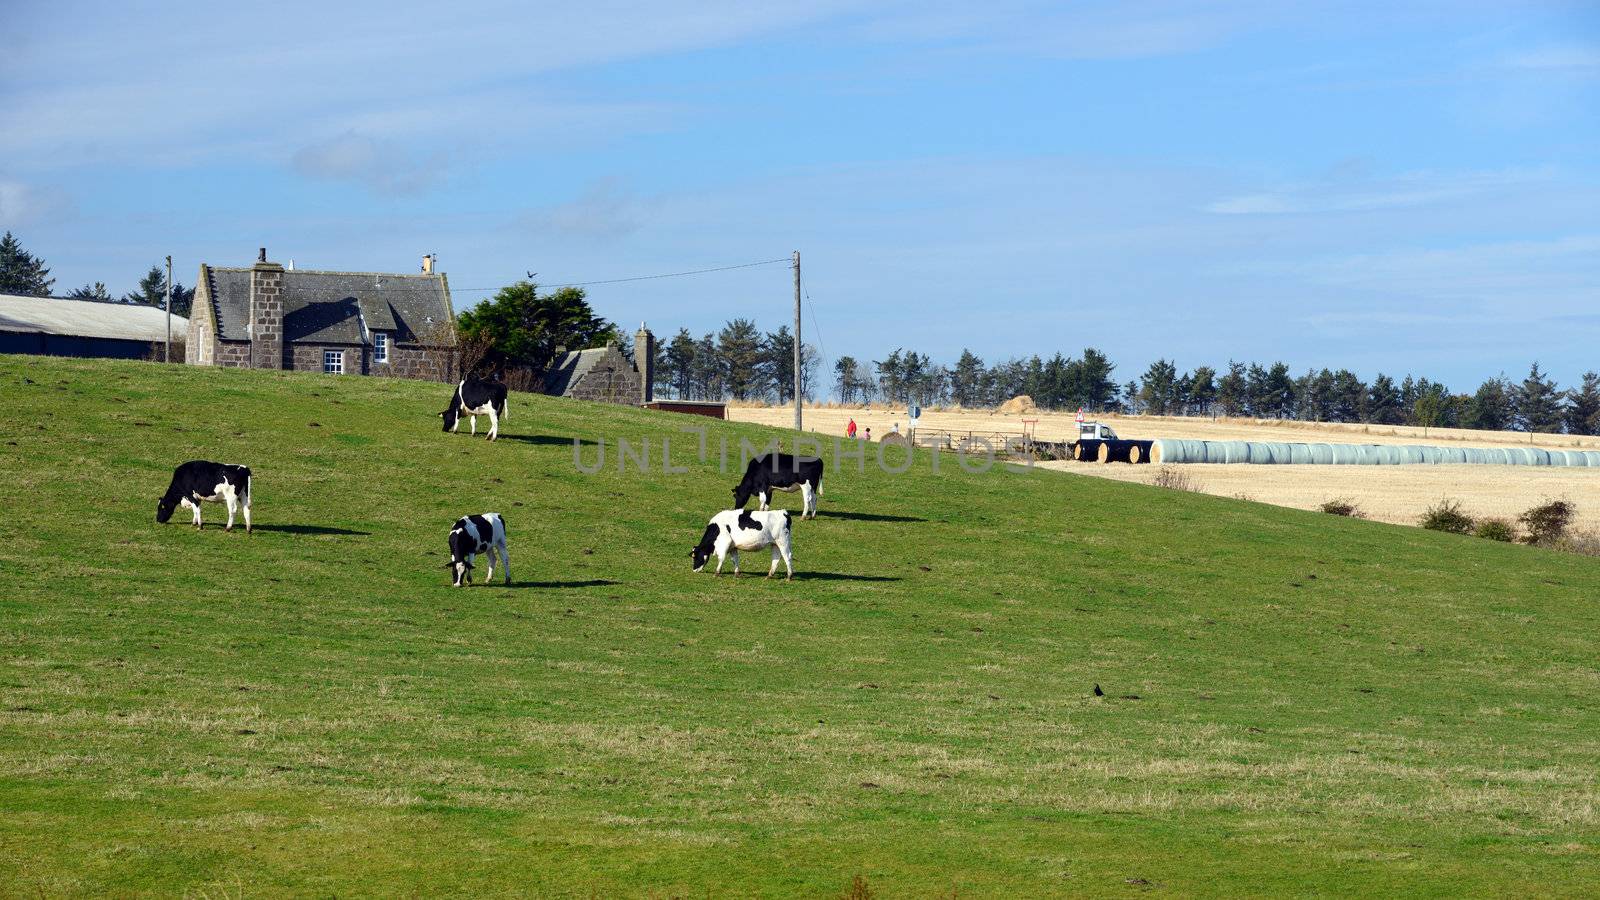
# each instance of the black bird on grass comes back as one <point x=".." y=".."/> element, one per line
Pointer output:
<point x="1098" y="692"/>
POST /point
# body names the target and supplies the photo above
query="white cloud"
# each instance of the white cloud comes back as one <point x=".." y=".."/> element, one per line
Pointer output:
<point x="24" y="204"/>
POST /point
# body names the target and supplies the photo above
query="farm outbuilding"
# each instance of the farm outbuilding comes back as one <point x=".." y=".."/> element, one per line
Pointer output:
<point x="50" y="326"/>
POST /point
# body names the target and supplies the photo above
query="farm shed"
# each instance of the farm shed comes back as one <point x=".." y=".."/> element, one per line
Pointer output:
<point x="54" y="327"/>
<point x="606" y="374"/>
<point x="340" y="323"/>
<point x="709" y="408"/>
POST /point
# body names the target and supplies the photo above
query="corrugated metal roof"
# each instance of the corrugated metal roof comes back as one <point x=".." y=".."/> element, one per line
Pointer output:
<point x="327" y="307"/>
<point x="87" y="318"/>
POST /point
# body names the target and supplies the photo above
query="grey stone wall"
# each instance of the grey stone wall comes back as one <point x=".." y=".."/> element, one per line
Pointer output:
<point x="266" y="316"/>
<point x="233" y="354"/>
<point x="612" y="380"/>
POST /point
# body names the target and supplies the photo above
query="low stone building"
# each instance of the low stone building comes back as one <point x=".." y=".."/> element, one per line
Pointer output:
<point x="343" y="323"/>
<point x="605" y="374"/>
<point x="51" y="326"/>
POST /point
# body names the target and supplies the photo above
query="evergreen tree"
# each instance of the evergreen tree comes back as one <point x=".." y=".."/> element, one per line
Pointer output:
<point x="709" y="370"/>
<point x="1583" y="406"/>
<point x="739" y="346"/>
<point x="679" y="364"/>
<point x="966" y="381"/>
<point x="22" y="273"/>
<point x="1492" y="407"/>
<point x="524" y="329"/>
<point x="1278" y="393"/>
<point x="1383" y="402"/>
<point x="777" y="363"/>
<point x="891" y="377"/>
<point x="96" y="291"/>
<point x="1233" y="390"/>
<point x="1130" y="398"/>
<point x="152" y="292"/>
<point x="1156" y="387"/>
<point x="1349" y="397"/>
<point x="1538" y="403"/>
<point x="1202" y="391"/>
<point x="1099" y="391"/>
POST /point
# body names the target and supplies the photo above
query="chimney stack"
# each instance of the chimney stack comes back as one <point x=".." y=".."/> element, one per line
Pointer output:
<point x="266" y="314"/>
<point x="644" y="359"/>
<point x="427" y="264"/>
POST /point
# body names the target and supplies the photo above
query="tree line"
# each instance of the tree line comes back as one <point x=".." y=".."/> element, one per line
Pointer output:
<point x="24" y="274"/>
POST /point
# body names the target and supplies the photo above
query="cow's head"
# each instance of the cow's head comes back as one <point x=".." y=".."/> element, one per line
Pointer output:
<point x="164" y="508"/>
<point x="460" y="564"/>
<point x="450" y="416"/>
<point x="702" y="552"/>
<point x="743" y="493"/>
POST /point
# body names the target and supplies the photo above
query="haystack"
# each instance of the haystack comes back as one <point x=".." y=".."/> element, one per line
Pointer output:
<point x="1017" y="405"/>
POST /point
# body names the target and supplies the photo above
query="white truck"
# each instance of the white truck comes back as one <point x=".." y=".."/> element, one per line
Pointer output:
<point x="1094" y="431"/>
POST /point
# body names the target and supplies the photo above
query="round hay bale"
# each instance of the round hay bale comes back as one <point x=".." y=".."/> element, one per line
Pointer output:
<point x="1413" y="455"/>
<point x="1321" y="454"/>
<point x="1541" y="457"/>
<point x="1300" y="454"/>
<point x="1140" y="451"/>
<point x="1235" y="452"/>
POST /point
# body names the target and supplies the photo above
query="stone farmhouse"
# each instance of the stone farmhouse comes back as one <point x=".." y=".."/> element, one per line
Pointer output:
<point x="343" y="323"/>
<point x="604" y="374"/>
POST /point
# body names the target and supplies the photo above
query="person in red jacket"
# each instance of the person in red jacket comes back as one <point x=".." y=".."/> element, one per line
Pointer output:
<point x="850" y="430"/>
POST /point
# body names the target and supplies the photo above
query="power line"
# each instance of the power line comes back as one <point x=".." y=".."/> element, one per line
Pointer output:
<point x="765" y="262"/>
<point x="476" y="290"/>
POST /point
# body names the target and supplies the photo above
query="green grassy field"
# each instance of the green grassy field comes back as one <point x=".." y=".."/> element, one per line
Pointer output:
<point x="1294" y="703"/>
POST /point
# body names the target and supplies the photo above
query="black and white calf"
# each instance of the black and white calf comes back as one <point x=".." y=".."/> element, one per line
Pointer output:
<point x="475" y="397"/>
<point x="781" y="472"/>
<point x="472" y="535"/>
<point x="199" y="480"/>
<point x="738" y="529"/>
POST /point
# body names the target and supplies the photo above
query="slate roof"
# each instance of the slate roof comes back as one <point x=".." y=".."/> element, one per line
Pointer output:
<point x="570" y="368"/>
<point x="87" y="318"/>
<point x="330" y="307"/>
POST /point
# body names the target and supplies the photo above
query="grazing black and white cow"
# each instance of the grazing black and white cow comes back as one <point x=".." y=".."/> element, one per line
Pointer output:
<point x="199" y="480"/>
<point x="472" y="535"/>
<point x="737" y="529"/>
<point x="475" y="397"/>
<point x="781" y="472"/>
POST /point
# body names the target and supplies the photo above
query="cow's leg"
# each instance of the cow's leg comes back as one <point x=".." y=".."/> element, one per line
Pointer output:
<point x="736" y="561"/>
<point x="230" y="501"/>
<point x="246" y="513"/>
<point x="494" y="423"/>
<point x="721" y="555"/>
<point x="808" y="500"/>
<point x="488" y="555"/>
<point x="784" y="546"/>
<point x="194" y="510"/>
<point x="505" y="560"/>
<point x="774" y="566"/>
<point x="764" y="496"/>
<point x="474" y="424"/>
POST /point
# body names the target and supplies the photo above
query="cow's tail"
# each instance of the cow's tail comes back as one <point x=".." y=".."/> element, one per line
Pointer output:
<point x="247" y="482"/>
<point x="505" y="406"/>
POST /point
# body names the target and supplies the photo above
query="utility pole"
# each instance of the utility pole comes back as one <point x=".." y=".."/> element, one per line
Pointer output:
<point x="797" y="341"/>
<point x="167" y="356"/>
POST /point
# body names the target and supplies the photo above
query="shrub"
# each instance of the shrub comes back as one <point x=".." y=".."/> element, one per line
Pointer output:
<point x="1446" y="515"/>
<point x="1173" y="479"/>
<point x="1494" y="529"/>
<point x="1586" y="542"/>
<point x="1548" y="522"/>
<point x="1343" y="506"/>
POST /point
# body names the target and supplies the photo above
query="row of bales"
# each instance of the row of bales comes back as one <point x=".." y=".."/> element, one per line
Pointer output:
<point x="1175" y="450"/>
<point x="1170" y="450"/>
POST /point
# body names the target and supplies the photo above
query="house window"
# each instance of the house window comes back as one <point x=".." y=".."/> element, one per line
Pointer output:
<point x="380" y="347"/>
<point x="333" y="362"/>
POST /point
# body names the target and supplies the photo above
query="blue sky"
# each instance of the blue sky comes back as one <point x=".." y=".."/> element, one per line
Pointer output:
<point x="1381" y="186"/>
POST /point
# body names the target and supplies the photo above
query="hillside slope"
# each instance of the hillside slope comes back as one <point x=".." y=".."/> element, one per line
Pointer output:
<point x="1293" y="702"/>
